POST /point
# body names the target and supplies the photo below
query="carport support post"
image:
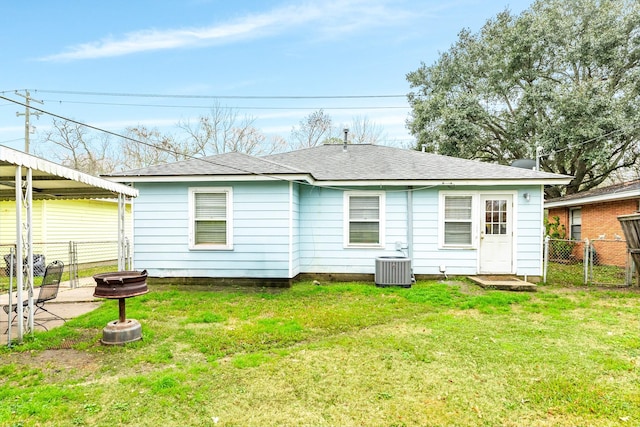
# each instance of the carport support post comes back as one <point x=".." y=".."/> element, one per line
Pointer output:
<point x="18" y="259"/>
<point x="29" y="238"/>
<point x="24" y="199"/>
<point x="12" y="260"/>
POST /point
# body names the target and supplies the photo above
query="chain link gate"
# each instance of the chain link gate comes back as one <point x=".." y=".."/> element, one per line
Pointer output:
<point x="590" y="262"/>
<point x="76" y="255"/>
<point x="608" y="262"/>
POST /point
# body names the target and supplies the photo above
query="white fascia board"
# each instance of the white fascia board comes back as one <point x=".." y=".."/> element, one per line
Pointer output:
<point x="594" y="199"/>
<point x="434" y="183"/>
<point x="210" y="178"/>
<point x="337" y="183"/>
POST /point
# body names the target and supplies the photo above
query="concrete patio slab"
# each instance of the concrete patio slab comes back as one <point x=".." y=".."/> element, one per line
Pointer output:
<point x="70" y="303"/>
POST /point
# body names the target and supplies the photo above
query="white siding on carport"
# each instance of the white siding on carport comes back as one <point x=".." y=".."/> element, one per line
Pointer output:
<point x="92" y="224"/>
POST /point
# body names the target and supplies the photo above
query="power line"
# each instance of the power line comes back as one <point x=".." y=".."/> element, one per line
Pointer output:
<point x="157" y="95"/>
<point x="228" y="97"/>
<point x="120" y="136"/>
<point x="187" y="156"/>
<point x="237" y="108"/>
<point x="177" y="96"/>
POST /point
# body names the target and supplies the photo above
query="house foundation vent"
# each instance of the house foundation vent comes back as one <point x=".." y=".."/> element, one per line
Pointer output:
<point x="393" y="271"/>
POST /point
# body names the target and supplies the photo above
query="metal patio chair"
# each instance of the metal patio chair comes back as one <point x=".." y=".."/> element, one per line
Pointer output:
<point x="48" y="291"/>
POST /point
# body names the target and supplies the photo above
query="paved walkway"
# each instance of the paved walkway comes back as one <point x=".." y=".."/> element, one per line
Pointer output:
<point x="70" y="303"/>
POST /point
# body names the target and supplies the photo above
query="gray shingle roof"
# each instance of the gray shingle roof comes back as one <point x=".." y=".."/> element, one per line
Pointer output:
<point x="378" y="162"/>
<point x="359" y="162"/>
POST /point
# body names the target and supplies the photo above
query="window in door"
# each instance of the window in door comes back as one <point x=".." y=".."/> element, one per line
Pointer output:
<point x="495" y="216"/>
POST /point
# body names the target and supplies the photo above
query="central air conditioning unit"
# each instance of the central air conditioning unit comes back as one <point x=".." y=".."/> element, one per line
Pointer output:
<point x="393" y="271"/>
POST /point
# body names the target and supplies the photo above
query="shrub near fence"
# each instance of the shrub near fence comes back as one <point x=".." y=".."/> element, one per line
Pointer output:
<point x="565" y="251"/>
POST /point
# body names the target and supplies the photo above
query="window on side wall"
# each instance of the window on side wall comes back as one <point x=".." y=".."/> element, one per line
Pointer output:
<point x="364" y="219"/>
<point x="210" y="222"/>
<point x="457" y="220"/>
<point x="575" y="224"/>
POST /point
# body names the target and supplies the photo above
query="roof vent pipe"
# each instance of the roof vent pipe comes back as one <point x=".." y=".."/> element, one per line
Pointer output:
<point x="344" y="146"/>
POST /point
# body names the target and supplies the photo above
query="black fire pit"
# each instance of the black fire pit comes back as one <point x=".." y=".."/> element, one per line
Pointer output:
<point x="121" y="285"/>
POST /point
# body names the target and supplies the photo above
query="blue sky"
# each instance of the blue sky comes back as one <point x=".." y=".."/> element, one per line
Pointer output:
<point x="80" y="57"/>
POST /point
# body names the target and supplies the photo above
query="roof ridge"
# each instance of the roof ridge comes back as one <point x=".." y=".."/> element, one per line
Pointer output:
<point x="280" y="164"/>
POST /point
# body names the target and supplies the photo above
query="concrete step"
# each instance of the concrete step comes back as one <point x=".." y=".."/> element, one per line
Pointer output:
<point x="503" y="283"/>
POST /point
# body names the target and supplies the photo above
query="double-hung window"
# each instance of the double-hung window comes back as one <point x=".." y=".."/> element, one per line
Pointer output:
<point x="457" y="220"/>
<point x="575" y="223"/>
<point x="210" y="224"/>
<point x="364" y="219"/>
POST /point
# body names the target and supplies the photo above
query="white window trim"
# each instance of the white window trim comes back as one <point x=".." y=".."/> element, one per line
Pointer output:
<point x="381" y="219"/>
<point x="475" y="219"/>
<point x="229" y="193"/>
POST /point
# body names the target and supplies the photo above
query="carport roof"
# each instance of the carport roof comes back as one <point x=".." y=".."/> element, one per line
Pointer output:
<point x="53" y="181"/>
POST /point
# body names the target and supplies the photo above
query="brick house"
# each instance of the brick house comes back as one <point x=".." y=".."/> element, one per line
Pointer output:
<point x="593" y="215"/>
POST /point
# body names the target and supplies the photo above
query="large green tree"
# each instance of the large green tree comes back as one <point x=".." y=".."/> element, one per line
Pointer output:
<point x="564" y="75"/>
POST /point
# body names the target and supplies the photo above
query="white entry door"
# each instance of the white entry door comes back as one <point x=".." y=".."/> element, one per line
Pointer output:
<point x="496" y="234"/>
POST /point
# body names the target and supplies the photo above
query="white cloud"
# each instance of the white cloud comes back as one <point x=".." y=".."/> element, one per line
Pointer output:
<point x="330" y="18"/>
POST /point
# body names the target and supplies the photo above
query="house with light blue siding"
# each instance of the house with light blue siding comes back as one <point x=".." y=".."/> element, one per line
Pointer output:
<point x="331" y="211"/>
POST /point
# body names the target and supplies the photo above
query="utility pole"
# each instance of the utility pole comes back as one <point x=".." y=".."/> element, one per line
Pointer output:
<point x="27" y="114"/>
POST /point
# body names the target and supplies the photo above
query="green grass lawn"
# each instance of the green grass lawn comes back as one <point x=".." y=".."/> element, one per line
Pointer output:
<point x="338" y="355"/>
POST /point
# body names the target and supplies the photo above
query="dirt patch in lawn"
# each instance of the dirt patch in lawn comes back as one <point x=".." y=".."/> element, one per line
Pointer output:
<point x="55" y="361"/>
<point x="57" y="366"/>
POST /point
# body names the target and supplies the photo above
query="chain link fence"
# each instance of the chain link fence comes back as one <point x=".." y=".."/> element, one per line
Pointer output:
<point x="608" y="263"/>
<point x="589" y="262"/>
<point x="76" y="256"/>
<point x="563" y="262"/>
